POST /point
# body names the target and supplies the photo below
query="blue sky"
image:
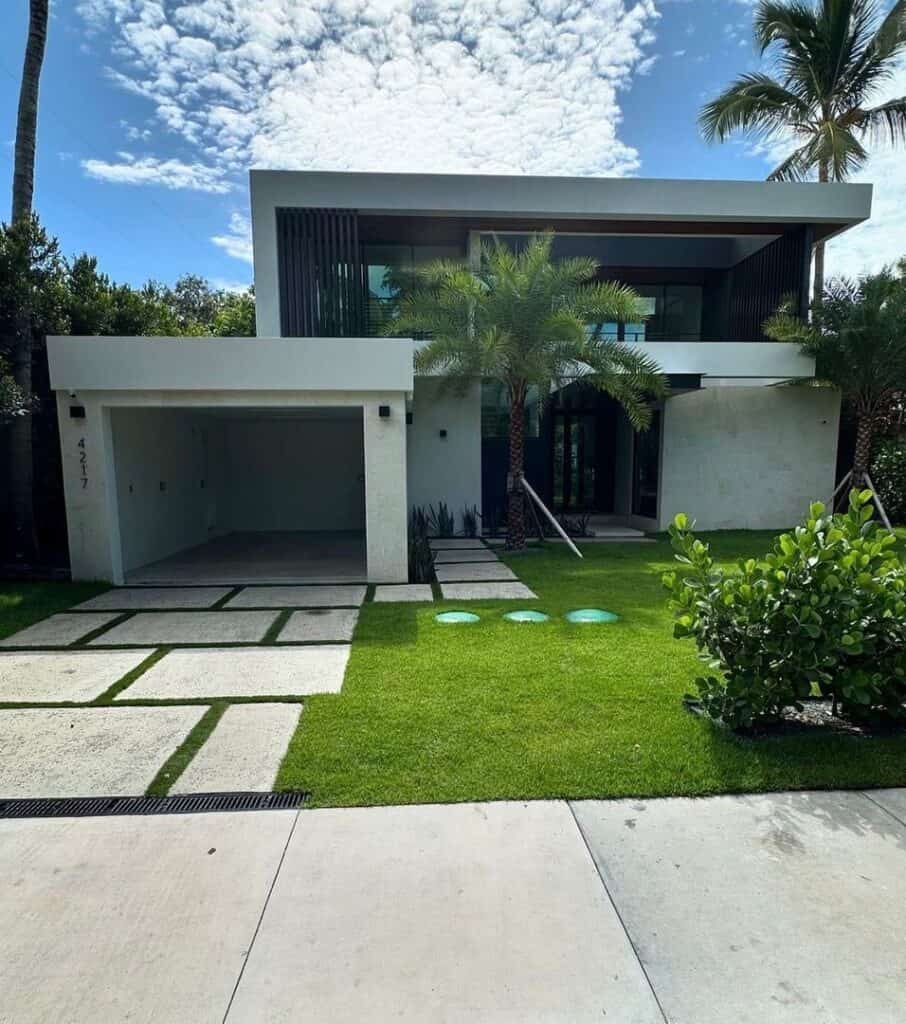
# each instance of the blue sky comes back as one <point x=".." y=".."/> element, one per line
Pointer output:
<point x="152" y="111"/>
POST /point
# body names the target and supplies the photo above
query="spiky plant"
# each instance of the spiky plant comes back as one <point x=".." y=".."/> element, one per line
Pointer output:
<point x="526" y="320"/>
<point x="830" y="60"/>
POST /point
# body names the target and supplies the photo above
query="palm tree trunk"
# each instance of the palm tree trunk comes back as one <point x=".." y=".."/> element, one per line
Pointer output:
<point x="21" y="466"/>
<point x="515" y="526"/>
<point x="818" y="290"/>
<point x="27" y="121"/>
<point x="862" y="457"/>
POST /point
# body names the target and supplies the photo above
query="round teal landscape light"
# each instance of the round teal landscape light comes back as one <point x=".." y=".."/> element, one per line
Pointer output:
<point x="591" y="615"/>
<point x="456" y="617"/>
<point x="526" y="616"/>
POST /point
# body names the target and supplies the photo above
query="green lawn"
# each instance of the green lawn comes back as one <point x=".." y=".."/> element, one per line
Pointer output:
<point x="506" y="711"/>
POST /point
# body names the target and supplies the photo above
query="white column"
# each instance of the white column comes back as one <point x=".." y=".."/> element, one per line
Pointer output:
<point x="386" y="502"/>
<point x="89" y="485"/>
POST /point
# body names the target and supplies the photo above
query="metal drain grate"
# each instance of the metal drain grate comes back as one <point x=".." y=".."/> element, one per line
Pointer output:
<point x="189" y="803"/>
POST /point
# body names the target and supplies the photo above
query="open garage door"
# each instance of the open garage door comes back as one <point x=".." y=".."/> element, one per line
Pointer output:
<point x="240" y="495"/>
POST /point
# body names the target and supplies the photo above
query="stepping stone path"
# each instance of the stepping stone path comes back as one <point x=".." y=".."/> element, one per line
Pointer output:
<point x="59" y="630"/>
<point x="189" y="628"/>
<point x="197" y="673"/>
<point x="333" y="625"/>
<point x="298" y="597"/>
<point x="244" y="751"/>
<point x="131" y="599"/>
<point x="118" y="749"/>
<point x="60" y="752"/>
<point x="63" y="675"/>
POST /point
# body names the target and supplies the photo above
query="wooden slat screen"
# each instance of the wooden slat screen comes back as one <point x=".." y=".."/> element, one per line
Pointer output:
<point x="320" y="273"/>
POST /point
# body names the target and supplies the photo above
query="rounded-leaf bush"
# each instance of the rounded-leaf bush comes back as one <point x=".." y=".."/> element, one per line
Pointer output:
<point x="823" y="613"/>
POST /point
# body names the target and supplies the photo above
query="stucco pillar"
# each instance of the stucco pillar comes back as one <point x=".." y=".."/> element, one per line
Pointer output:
<point x="89" y="484"/>
<point x="386" y="503"/>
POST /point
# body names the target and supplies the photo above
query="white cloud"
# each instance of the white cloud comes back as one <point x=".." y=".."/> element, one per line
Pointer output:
<point x="237" y="242"/>
<point x="171" y="174"/>
<point x="519" y="86"/>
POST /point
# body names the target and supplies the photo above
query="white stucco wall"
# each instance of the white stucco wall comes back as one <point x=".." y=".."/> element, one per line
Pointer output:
<point x="748" y="458"/>
<point x="289" y="474"/>
<point x="159" y="458"/>
<point x="445" y="468"/>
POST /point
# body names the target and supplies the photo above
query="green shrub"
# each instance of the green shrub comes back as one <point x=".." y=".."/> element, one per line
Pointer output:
<point x="888" y="474"/>
<point x="824" y="611"/>
<point x="421" y="557"/>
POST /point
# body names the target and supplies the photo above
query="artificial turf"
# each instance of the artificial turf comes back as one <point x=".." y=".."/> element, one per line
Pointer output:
<point x="501" y="710"/>
<point x="21" y="604"/>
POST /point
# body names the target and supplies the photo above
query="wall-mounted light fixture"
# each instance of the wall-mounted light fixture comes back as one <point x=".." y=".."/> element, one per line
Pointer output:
<point x="77" y="412"/>
<point x="408" y="419"/>
<point x="384" y="412"/>
<point x="443" y="433"/>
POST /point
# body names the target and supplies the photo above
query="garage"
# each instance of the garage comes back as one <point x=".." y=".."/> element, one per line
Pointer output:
<point x="234" y="461"/>
<point x="232" y="496"/>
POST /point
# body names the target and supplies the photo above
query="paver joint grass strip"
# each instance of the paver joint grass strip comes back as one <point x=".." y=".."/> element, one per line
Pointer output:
<point x="176" y="764"/>
<point x="121" y="684"/>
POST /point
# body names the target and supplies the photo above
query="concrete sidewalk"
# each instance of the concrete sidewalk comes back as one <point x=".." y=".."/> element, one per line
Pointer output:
<point x="780" y="908"/>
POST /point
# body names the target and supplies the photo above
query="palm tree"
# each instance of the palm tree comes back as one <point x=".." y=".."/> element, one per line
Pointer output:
<point x="831" y="59"/>
<point x="527" y="321"/>
<point x="21" y="469"/>
<point x="857" y="336"/>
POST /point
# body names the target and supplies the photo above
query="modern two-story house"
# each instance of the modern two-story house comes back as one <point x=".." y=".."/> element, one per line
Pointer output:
<point x="296" y="455"/>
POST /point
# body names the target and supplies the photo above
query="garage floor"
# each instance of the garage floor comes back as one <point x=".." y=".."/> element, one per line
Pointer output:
<point x="284" y="557"/>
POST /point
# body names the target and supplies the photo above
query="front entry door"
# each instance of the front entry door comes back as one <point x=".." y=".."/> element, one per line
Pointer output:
<point x="575" y="461"/>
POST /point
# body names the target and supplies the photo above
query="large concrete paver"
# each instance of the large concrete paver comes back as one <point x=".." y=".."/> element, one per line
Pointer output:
<point x="60" y="752"/>
<point x="892" y="800"/>
<point x="472" y="912"/>
<point x="473" y="572"/>
<point x="454" y="543"/>
<point x="456" y="556"/>
<point x="311" y="596"/>
<point x="189" y="628"/>
<point x="63" y="675"/>
<point x="330" y="625"/>
<point x="244" y="752"/>
<point x="405" y="592"/>
<point x="774" y="909"/>
<point x="190" y="674"/>
<point x="129" y="599"/>
<point x="59" y="630"/>
<point x="142" y="919"/>
<point x="487" y="592"/>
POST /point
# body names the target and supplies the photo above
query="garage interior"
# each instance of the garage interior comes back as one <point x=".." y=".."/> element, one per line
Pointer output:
<point x="240" y="495"/>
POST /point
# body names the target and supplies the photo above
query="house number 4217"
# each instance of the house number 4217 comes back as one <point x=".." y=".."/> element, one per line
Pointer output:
<point x="83" y="463"/>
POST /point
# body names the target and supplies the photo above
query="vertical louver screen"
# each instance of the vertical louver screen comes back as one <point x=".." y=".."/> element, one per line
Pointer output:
<point x="762" y="281"/>
<point x="322" y="288"/>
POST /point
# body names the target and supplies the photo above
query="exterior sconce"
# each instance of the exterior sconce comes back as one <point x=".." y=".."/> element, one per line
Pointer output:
<point x="384" y="412"/>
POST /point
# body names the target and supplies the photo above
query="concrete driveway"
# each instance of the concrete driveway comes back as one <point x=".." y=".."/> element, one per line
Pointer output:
<point x="781" y="908"/>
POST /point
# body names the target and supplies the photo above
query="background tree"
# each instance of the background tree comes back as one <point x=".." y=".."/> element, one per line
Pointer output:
<point x="19" y="339"/>
<point x="857" y="336"/>
<point x="830" y="59"/>
<point x="527" y="321"/>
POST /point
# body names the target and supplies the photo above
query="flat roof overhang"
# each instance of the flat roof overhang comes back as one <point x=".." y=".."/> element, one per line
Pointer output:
<point x="231" y="364"/>
<point x="529" y="199"/>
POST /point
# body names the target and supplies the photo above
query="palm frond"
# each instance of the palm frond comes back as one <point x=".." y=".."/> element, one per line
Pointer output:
<point x="754" y="103"/>
<point x="886" y="122"/>
<point x="798" y="166"/>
